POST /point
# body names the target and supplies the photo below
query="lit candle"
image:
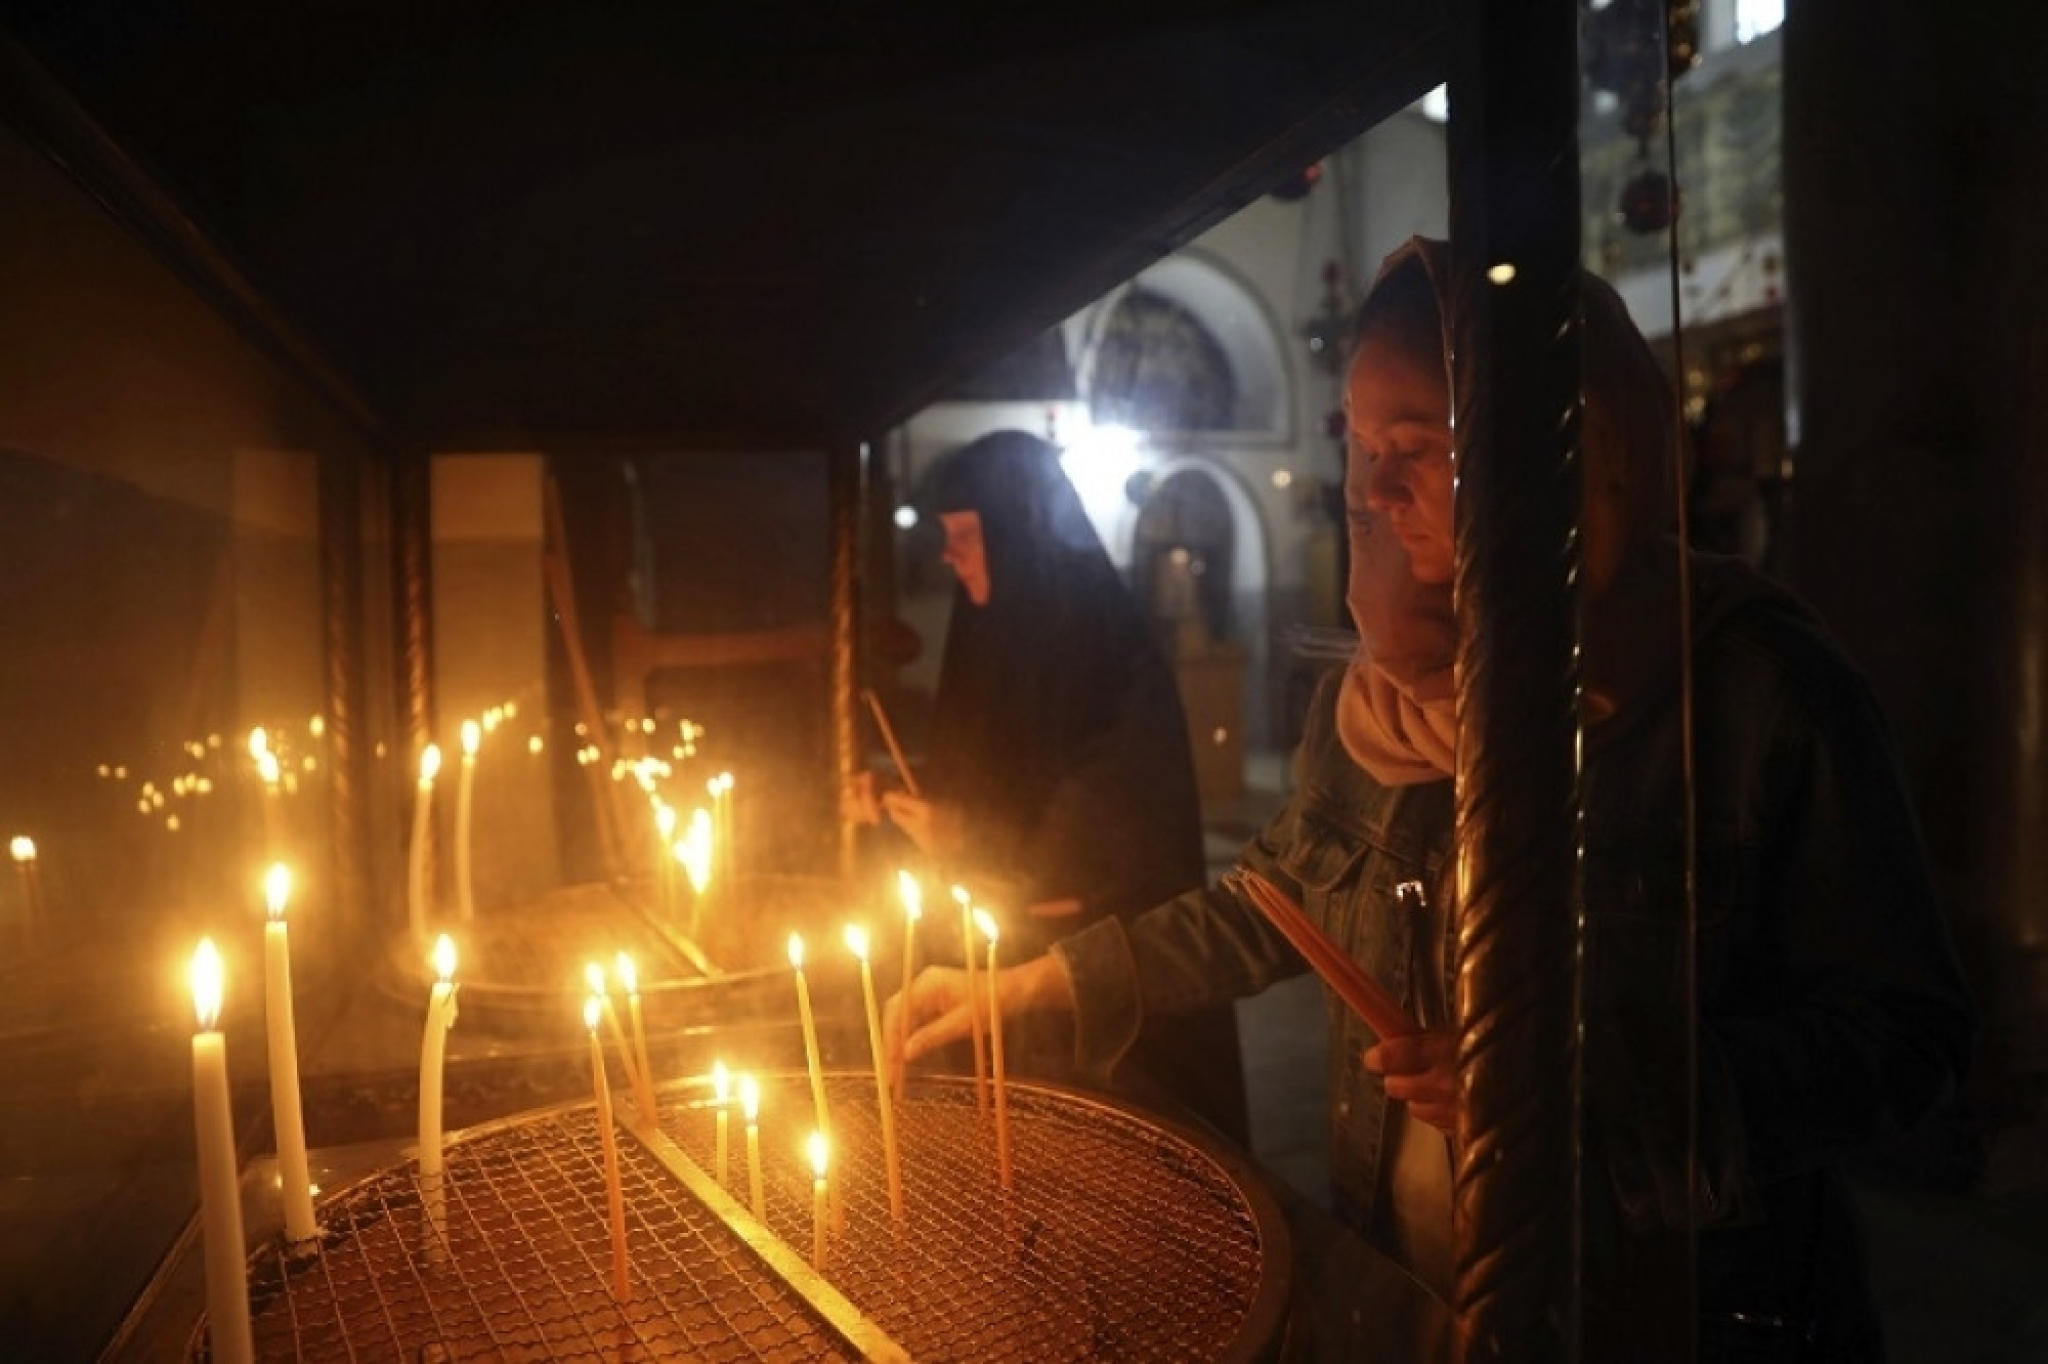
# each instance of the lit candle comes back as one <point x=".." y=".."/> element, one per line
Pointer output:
<point x="913" y="910"/>
<point x="750" y="1109"/>
<point x="23" y="850"/>
<point x="272" y="776"/>
<point x="294" y="1183"/>
<point x="614" y="1194"/>
<point x="694" y="851"/>
<point x="803" y="1007"/>
<point x="220" y="1197"/>
<point x="441" y="1009"/>
<point x="973" y="995"/>
<point x="593" y="975"/>
<point x="857" y="943"/>
<point x="726" y="857"/>
<point x="465" y="801"/>
<point x="721" y="1089"/>
<point x="987" y="925"/>
<point x="643" y="1073"/>
<point x="416" y="866"/>
<point x="819" y="1218"/>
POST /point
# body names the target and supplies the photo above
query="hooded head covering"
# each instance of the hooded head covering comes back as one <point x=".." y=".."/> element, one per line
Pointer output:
<point x="1029" y="676"/>
<point x="1397" y="716"/>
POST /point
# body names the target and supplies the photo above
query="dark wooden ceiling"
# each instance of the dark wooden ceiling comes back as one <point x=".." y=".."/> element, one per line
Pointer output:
<point x="745" y="225"/>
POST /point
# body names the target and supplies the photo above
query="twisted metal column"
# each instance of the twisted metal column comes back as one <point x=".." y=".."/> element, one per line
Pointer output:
<point x="412" y="496"/>
<point x="847" y="475"/>
<point x="1513" y="306"/>
<point x="342" y="632"/>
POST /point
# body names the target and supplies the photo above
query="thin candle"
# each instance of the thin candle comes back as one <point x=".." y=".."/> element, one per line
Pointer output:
<point x="614" y="1194"/>
<point x="726" y="857"/>
<point x="465" y="802"/>
<point x="818" y="1150"/>
<point x="664" y="863"/>
<point x="441" y="1008"/>
<point x="23" y="849"/>
<point x="643" y="1076"/>
<point x="967" y="946"/>
<point x="721" y="1090"/>
<point x="220" y="1197"/>
<point x="750" y="1109"/>
<point x="416" y="864"/>
<point x="987" y="925"/>
<point x="593" y="975"/>
<point x="295" y="1184"/>
<point x="695" y="851"/>
<point x="913" y="910"/>
<point x="857" y="943"/>
<point x="810" y="1025"/>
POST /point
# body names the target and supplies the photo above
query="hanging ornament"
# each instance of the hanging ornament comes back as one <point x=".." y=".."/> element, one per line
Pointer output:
<point x="1649" y="202"/>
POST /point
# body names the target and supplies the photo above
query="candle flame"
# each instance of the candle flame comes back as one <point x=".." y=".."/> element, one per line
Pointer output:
<point x="721" y="1082"/>
<point x="818" y="1154"/>
<point x="913" y="896"/>
<point x="665" y="820"/>
<point x="593" y="975"/>
<point x="985" y="921"/>
<point x="725" y="781"/>
<point x="259" y="743"/>
<point x="317" y="726"/>
<point x="444" y="957"/>
<point x="533" y="743"/>
<point x="857" y="940"/>
<point x="796" y="951"/>
<point x="750" y="1098"/>
<point x="472" y="738"/>
<point x="277" y="888"/>
<point x="23" y="847"/>
<point x="430" y="764"/>
<point x="591" y="1009"/>
<point x="267" y="768"/>
<point x="960" y="896"/>
<point x="206" y="984"/>
<point x="628" y="976"/>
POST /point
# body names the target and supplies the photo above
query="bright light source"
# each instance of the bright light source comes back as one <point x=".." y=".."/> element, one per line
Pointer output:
<point x="1099" y="463"/>
<point x="906" y="517"/>
<point x="1502" y="273"/>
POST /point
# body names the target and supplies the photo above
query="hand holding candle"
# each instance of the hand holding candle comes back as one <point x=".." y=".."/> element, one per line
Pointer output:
<point x="220" y="1196"/>
<point x="614" y="1193"/>
<point x="295" y="1185"/>
<point x="987" y="924"/>
<point x="857" y="943"/>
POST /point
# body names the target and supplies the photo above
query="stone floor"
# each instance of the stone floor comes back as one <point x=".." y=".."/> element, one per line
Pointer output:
<point x="1961" y="1273"/>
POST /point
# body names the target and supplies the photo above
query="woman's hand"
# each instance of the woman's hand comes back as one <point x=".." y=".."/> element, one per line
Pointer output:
<point x="937" y="1004"/>
<point x="938" y="828"/>
<point x="1421" y="1070"/>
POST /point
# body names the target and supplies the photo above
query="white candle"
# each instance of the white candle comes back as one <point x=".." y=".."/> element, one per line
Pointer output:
<point x="295" y="1184"/>
<point x="721" y="1089"/>
<point x="23" y="849"/>
<point x="614" y="1194"/>
<point x="220" y="1195"/>
<point x="726" y="857"/>
<point x="857" y="943"/>
<point x="593" y="975"/>
<point x="995" y="1032"/>
<point x="643" y="1074"/>
<point x="272" y="776"/>
<point x="750" y="1109"/>
<point x="973" y="993"/>
<point x="416" y="865"/>
<point x="664" y="859"/>
<point x="694" y="850"/>
<point x="913" y="910"/>
<point x="803" y="1008"/>
<point x="818" y="1147"/>
<point x="465" y="800"/>
<point x="441" y="1008"/>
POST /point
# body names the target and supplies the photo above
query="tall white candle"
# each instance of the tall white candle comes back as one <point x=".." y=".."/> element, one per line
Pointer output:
<point x="913" y="910"/>
<point x="465" y="821"/>
<point x="614" y="1192"/>
<point x="818" y="1148"/>
<point x="967" y="946"/>
<point x="857" y="943"/>
<point x="271" y="774"/>
<point x="695" y="851"/>
<point x="643" y="1072"/>
<point x="721" y="1089"/>
<point x="750" y="1109"/>
<point x="810" y="1025"/>
<point x="220" y="1194"/>
<point x="295" y="1184"/>
<point x="593" y="976"/>
<point x="664" y="860"/>
<point x="726" y="857"/>
<point x="23" y="850"/>
<point x="995" y="1033"/>
<point x="441" y="1008"/>
<point x="416" y="864"/>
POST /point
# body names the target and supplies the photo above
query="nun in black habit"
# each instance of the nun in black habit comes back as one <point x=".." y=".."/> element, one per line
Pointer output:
<point x="1059" y="785"/>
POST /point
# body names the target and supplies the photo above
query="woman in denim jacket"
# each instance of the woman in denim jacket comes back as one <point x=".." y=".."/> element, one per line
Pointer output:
<point x="1831" y="1010"/>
